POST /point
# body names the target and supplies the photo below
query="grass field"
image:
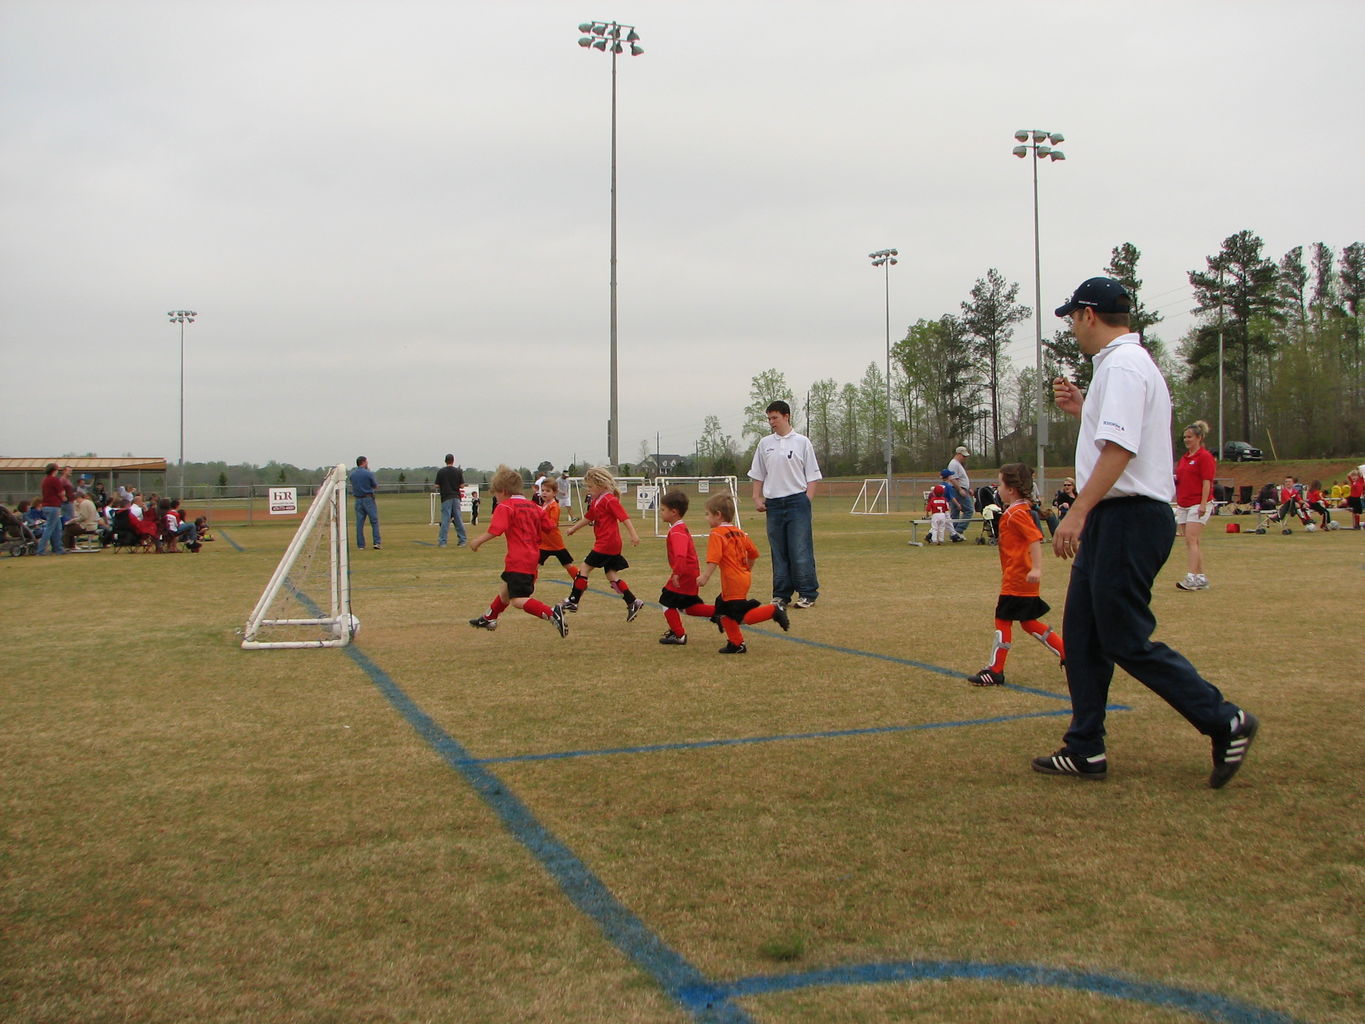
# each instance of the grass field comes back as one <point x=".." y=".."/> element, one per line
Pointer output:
<point x="444" y="824"/>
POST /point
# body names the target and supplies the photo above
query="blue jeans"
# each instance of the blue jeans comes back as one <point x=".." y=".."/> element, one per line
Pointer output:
<point x="966" y="508"/>
<point x="52" y="531"/>
<point x="793" y="547"/>
<point x="366" y="508"/>
<point x="1108" y="620"/>
<point x="450" y="509"/>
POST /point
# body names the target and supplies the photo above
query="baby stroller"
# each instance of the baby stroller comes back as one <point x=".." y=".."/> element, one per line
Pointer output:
<point x="16" y="536"/>
<point x="988" y="502"/>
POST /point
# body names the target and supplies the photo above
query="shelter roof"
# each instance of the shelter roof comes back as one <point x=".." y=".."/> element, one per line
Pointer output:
<point x="125" y="464"/>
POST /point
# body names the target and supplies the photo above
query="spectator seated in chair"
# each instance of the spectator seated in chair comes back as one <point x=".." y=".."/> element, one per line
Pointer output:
<point x="86" y="523"/>
<point x="173" y="531"/>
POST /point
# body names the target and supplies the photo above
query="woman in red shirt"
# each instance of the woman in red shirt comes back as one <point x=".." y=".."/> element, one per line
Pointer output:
<point x="1193" y="501"/>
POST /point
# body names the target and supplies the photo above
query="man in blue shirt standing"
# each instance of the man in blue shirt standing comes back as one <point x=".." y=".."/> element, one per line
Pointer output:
<point x="363" y="486"/>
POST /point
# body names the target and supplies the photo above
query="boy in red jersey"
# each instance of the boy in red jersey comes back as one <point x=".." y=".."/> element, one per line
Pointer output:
<point x="519" y="520"/>
<point x="551" y="540"/>
<point x="730" y="549"/>
<point x="1355" y="498"/>
<point x="936" y="508"/>
<point x="1021" y="571"/>
<point x="680" y="592"/>
<point x="606" y="516"/>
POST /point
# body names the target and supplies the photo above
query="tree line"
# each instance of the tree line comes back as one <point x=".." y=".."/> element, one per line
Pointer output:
<point x="1289" y="334"/>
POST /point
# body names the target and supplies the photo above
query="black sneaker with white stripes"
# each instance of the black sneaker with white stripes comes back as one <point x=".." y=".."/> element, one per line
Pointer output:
<point x="1064" y="762"/>
<point x="1229" y="752"/>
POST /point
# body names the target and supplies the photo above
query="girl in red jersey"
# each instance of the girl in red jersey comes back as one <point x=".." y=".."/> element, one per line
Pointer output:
<point x="1355" y="497"/>
<point x="1194" y="472"/>
<point x="519" y="520"/>
<point x="606" y="516"/>
<point x="680" y="593"/>
<point x="1315" y="501"/>
<point x="730" y="550"/>
<point x="551" y="540"/>
<point x="1021" y="572"/>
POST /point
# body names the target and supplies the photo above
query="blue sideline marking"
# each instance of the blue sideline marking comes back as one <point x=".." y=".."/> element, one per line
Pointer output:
<point x="1202" y="1004"/>
<point x="655" y="748"/>
<point x="228" y="537"/>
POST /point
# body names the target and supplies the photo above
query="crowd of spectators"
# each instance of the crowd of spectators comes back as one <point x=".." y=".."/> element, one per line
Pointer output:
<point x="70" y="515"/>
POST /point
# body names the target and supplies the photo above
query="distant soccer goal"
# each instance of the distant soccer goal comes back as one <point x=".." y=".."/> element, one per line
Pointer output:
<point x="578" y="497"/>
<point x="467" y="493"/>
<point x="307" y="603"/>
<point x="872" y="500"/>
<point x="697" y="489"/>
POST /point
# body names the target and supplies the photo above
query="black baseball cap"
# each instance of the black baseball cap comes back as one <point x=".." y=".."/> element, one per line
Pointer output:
<point x="1102" y="294"/>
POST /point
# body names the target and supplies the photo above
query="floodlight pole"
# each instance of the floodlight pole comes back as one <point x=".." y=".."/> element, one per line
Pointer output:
<point x="606" y="36"/>
<point x="886" y="259"/>
<point x="182" y="317"/>
<point x="1043" y="145"/>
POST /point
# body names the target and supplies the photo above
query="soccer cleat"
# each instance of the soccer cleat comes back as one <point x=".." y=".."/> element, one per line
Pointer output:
<point x="570" y="605"/>
<point x="735" y="649"/>
<point x="557" y="617"/>
<point x="987" y="678"/>
<point x="803" y="602"/>
<point x="484" y="622"/>
<point x="673" y="639"/>
<point x="636" y="607"/>
<point x="1229" y="753"/>
<point x="1064" y="762"/>
<point x="781" y="617"/>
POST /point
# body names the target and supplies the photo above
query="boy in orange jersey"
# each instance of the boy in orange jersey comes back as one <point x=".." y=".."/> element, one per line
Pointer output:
<point x="730" y="549"/>
<point x="551" y="540"/>
<point x="519" y="520"/>
<point x="1021" y="571"/>
<point x="679" y="595"/>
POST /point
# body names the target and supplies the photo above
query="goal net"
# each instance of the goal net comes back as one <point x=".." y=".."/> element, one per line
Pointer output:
<point x="872" y="500"/>
<point x="697" y="489"/>
<point x="307" y="603"/>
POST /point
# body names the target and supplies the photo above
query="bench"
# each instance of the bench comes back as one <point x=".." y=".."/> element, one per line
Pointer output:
<point x="915" y="524"/>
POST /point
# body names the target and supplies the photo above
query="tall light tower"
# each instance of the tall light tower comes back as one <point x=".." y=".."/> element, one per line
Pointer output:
<point x="886" y="259"/>
<point x="607" y="37"/>
<point x="1043" y="144"/>
<point x="182" y="317"/>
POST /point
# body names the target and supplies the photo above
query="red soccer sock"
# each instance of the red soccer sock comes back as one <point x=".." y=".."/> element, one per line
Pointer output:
<point x="703" y="611"/>
<point x="539" y="609"/>
<point x="1040" y="632"/>
<point x="495" y="608"/>
<point x="580" y="584"/>
<point x="674" y="621"/>
<point x="732" y="632"/>
<point x="762" y="613"/>
<point x="623" y="589"/>
<point x="1004" y="634"/>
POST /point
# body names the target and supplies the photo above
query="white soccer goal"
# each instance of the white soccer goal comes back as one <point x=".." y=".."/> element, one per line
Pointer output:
<point x="578" y="496"/>
<point x="307" y="603"/>
<point x="872" y="500"/>
<point x="467" y="493"/>
<point x="697" y="489"/>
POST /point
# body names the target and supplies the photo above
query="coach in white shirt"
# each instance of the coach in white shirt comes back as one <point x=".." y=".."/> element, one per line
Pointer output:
<point x="784" y="472"/>
<point x="1119" y="531"/>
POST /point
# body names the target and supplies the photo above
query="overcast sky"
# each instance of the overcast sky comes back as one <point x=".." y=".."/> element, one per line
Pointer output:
<point x="392" y="217"/>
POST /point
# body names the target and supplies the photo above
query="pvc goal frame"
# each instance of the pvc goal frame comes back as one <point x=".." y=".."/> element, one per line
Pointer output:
<point x="665" y="482"/>
<point x="877" y="503"/>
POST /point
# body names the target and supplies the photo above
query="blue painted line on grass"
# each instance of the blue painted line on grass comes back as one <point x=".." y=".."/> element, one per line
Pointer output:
<point x="741" y="741"/>
<point x="1207" y="1005"/>
<point x="228" y="537"/>
<point x="682" y="981"/>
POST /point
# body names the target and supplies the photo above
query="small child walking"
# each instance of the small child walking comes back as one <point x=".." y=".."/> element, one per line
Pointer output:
<point x="937" y="510"/>
<point x="606" y="516"/>
<point x="730" y="549"/>
<point x="551" y="540"/>
<point x="518" y="520"/>
<point x="680" y="593"/>
<point x="1021" y="572"/>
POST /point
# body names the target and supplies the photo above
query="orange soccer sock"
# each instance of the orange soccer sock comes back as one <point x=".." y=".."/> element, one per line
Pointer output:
<point x="539" y="609"/>
<point x="1004" y="634"/>
<point x="674" y="621"/>
<point x="1040" y="632"/>
<point x="732" y="631"/>
<point x="762" y="613"/>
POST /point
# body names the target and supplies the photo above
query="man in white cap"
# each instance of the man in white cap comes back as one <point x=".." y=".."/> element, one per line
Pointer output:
<point x="962" y="484"/>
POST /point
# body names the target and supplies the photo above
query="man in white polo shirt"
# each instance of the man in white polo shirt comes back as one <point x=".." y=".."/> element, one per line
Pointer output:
<point x="784" y="472"/>
<point x="1119" y="531"/>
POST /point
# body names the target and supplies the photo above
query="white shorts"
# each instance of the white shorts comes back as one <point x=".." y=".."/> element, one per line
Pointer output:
<point x="1190" y="514"/>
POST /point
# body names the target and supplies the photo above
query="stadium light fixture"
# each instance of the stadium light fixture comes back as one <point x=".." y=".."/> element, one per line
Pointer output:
<point x="604" y="31"/>
<point x="1043" y="144"/>
<point x="182" y="317"/>
<point x="886" y="259"/>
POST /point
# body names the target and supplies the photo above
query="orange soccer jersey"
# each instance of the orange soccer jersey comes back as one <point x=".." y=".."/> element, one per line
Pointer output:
<point x="550" y="537"/>
<point x="730" y="548"/>
<point x="1018" y="533"/>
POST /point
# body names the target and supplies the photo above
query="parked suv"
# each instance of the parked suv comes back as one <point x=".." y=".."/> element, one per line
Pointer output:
<point x="1240" y="451"/>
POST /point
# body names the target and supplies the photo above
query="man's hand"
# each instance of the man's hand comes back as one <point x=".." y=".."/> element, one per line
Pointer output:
<point x="1067" y="396"/>
<point x="1068" y="536"/>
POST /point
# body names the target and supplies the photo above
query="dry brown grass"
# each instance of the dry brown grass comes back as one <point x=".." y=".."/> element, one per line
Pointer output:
<point x="192" y="832"/>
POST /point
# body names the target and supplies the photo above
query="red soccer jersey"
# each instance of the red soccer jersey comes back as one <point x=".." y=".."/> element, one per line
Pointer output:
<point x="1288" y="494"/>
<point x="605" y="512"/>
<point x="550" y="537"/>
<point x="682" y="558"/>
<point x="1191" y="470"/>
<point x="1018" y="533"/>
<point x="1358" y="487"/>
<point x="519" y="519"/>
